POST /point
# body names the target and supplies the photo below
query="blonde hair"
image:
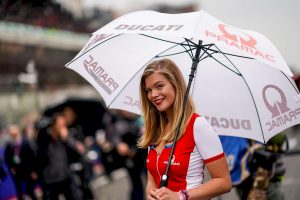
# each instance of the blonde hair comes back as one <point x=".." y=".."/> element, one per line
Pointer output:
<point x="156" y="121"/>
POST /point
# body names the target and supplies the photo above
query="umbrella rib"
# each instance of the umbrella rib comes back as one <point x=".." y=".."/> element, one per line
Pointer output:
<point x="125" y="85"/>
<point x="203" y="47"/>
<point x="160" y="39"/>
<point x="189" y="51"/>
<point x="214" y="52"/>
<point x="290" y="82"/>
<point x="224" y="53"/>
<point x="188" y="42"/>
<point x="205" y="51"/>
<point x="90" y="50"/>
<point x="241" y="75"/>
<point x="182" y="44"/>
<point x="142" y="67"/>
<point x="210" y="55"/>
<point x="172" y="54"/>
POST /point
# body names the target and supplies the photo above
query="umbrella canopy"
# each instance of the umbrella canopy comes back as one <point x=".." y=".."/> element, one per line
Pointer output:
<point x="88" y="113"/>
<point x="242" y="85"/>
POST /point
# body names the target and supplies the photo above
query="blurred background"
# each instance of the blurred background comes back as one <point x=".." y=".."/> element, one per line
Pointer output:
<point x="38" y="37"/>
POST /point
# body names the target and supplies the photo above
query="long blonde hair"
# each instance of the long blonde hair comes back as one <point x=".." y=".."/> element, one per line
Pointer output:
<point x="155" y="121"/>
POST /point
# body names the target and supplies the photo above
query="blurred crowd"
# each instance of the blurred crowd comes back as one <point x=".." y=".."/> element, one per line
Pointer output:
<point x="57" y="156"/>
<point x="50" y="14"/>
<point x="52" y="157"/>
<point x="78" y="141"/>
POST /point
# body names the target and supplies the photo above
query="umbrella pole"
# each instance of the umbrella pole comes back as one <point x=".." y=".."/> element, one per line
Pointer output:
<point x="164" y="179"/>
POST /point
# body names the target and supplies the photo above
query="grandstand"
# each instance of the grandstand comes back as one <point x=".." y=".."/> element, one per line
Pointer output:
<point x="43" y="31"/>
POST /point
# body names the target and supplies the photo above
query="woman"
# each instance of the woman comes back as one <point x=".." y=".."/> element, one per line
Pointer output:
<point x="162" y="90"/>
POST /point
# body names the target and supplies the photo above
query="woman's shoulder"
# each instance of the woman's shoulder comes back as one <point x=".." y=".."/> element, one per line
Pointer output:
<point x="199" y="117"/>
<point x="202" y="123"/>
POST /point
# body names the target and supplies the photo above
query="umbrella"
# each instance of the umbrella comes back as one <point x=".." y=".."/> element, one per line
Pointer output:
<point x="242" y="85"/>
<point x="89" y="113"/>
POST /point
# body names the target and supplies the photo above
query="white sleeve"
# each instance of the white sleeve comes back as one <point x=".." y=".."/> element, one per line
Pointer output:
<point x="207" y="140"/>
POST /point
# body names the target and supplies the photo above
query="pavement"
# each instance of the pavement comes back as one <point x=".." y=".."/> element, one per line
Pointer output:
<point x="118" y="187"/>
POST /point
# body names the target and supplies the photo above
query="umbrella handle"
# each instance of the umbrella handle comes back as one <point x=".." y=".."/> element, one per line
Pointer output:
<point x="164" y="179"/>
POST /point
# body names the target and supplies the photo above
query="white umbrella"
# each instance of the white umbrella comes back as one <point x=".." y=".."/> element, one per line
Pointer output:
<point x="243" y="85"/>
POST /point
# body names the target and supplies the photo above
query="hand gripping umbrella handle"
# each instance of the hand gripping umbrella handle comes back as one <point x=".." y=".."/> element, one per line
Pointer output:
<point x="164" y="179"/>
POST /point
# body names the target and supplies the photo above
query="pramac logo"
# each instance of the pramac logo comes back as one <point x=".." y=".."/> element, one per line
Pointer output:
<point x="237" y="39"/>
<point x="238" y="36"/>
<point x="100" y="75"/>
<point x="97" y="38"/>
<point x="173" y="161"/>
<point x="281" y="113"/>
<point x="276" y="107"/>
<point x="131" y="102"/>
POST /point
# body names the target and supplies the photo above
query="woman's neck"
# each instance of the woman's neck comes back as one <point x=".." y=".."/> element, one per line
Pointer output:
<point x="169" y="115"/>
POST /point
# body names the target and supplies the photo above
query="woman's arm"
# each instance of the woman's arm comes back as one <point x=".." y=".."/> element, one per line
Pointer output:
<point x="210" y="148"/>
<point x="151" y="187"/>
<point x="219" y="183"/>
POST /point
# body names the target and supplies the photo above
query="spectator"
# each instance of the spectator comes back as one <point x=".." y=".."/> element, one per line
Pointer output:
<point x="20" y="159"/>
<point x="56" y="150"/>
<point x="123" y="130"/>
<point x="7" y="187"/>
<point x="82" y="167"/>
<point x="256" y="170"/>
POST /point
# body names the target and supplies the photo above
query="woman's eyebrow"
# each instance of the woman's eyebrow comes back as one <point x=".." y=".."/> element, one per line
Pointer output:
<point x="158" y="82"/>
<point x="154" y="85"/>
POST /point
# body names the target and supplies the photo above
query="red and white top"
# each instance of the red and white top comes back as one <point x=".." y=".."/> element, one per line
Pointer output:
<point x="199" y="145"/>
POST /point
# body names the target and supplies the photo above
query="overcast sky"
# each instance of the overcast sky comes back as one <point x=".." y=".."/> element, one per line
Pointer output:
<point x="278" y="20"/>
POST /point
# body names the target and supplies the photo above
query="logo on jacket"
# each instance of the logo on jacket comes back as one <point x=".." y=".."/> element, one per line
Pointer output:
<point x="172" y="161"/>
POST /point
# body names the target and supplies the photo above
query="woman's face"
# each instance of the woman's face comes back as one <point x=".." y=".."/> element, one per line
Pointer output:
<point x="160" y="92"/>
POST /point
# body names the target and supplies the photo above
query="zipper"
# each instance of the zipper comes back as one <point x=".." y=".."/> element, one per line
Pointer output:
<point x="157" y="158"/>
<point x="158" y="155"/>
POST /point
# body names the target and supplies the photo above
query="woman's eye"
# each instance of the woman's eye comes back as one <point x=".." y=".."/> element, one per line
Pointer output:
<point x="159" y="86"/>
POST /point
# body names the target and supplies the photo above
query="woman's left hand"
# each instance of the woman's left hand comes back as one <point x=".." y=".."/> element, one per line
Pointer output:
<point x="166" y="194"/>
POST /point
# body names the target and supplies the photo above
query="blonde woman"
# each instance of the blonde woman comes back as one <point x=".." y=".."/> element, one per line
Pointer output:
<point x="162" y="90"/>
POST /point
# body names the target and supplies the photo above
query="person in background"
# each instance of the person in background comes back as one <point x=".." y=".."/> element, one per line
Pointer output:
<point x="82" y="167"/>
<point x="7" y="186"/>
<point x="162" y="90"/>
<point x="20" y="158"/>
<point x="122" y="130"/>
<point x="256" y="170"/>
<point x="135" y="162"/>
<point x="56" y="150"/>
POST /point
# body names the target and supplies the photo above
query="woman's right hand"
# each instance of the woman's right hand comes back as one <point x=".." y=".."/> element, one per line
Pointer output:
<point x="152" y="195"/>
<point x="164" y="194"/>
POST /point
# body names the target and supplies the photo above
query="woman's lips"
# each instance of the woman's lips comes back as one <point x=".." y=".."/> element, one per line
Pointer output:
<point x="158" y="102"/>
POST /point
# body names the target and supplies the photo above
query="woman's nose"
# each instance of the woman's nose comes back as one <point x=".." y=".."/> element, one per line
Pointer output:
<point x="154" y="93"/>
